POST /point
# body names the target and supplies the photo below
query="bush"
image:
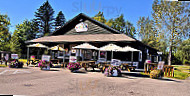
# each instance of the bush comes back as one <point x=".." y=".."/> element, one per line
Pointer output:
<point x="155" y="74"/>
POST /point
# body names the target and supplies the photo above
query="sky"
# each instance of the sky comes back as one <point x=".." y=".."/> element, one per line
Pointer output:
<point x="20" y="10"/>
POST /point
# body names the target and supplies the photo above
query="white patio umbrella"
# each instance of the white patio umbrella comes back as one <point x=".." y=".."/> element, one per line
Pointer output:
<point x="58" y="48"/>
<point x="38" y="45"/>
<point x="110" y="47"/>
<point x="128" y="48"/>
<point x="85" y="46"/>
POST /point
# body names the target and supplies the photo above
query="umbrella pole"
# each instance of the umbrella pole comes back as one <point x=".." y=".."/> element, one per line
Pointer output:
<point x="28" y="55"/>
<point x="99" y="54"/>
<point x="132" y="57"/>
<point x="111" y="55"/>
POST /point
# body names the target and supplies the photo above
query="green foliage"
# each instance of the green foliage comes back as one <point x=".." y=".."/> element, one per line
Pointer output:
<point x="60" y="19"/>
<point x="100" y="17"/>
<point x="4" y="32"/>
<point x="171" y="18"/>
<point x="44" y="17"/>
<point x="155" y="74"/>
<point x="149" y="35"/>
<point x="130" y="29"/>
<point x="26" y="31"/>
<point x="183" y="52"/>
<point x="117" y="24"/>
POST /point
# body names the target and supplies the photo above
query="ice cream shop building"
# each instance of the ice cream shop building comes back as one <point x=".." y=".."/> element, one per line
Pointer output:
<point x="83" y="29"/>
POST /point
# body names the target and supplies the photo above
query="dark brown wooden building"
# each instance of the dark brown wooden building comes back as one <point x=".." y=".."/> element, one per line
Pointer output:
<point x="97" y="34"/>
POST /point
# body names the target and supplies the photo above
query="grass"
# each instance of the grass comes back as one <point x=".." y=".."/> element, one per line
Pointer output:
<point x="3" y="65"/>
<point x="22" y="60"/>
<point x="181" y="71"/>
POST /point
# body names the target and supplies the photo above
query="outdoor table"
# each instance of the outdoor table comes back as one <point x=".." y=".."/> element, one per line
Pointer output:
<point x="34" y="62"/>
<point x="128" y="66"/>
<point x="104" y="65"/>
<point x="92" y="64"/>
<point x="149" y="66"/>
<point x="84" y="64"/>
<point x="55" y="61"/>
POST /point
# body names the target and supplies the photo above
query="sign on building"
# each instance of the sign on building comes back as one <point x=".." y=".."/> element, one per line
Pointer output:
<point x="81" y="27"/>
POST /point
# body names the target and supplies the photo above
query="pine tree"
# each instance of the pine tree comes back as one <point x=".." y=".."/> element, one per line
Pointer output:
<point x="119" y="23"/>
<point x="130" y="29"/>
<point x="60" y="19"/>
<point x="44" y="17"/>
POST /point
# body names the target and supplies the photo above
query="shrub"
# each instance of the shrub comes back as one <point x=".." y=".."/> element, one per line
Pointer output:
<point x="155" y="74"/>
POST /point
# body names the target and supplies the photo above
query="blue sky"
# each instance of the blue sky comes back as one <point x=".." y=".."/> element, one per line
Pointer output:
<point x="20" y="10"/>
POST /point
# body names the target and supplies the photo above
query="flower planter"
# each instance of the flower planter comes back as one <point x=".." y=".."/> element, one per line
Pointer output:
<point x="74" y="67"/>
<point x="112" y="71"/>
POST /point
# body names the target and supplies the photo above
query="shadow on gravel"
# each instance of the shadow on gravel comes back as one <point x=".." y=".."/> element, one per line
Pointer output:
<point x="135" y="75"/>
<point x="80" y="72"/>
<point x="51" y="70"/>
<point x="93" y="71"/>
<point x="167" y="79"/>
<point x="23" y="68"/>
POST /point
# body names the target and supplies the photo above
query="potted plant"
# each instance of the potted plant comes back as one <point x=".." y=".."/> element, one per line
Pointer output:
<point x="44" y="65"/>
<point x="15" y="64"/>
<point x="113" y="71"/>
<point x="74" y="66"/>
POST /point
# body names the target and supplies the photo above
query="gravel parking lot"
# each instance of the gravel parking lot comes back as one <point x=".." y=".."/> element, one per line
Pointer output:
<point x="61" y="82"/>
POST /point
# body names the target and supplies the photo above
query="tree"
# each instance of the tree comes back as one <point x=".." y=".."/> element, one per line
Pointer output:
<point x="100" y="17"/>
<point x="119" y="23"/>
<point x="4" y="32"/>
<point x="60" y="19"/>
<point x="170" y="18"/>
<point x="183" y="52"/>
<point x="28" y="30"/>
<point x="110" y="23"/>
<point x="130" y="29"/>
<point x="44" y="17"/>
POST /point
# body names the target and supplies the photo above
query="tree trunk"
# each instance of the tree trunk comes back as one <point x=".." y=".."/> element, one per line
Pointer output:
<point x="170" y="56"/>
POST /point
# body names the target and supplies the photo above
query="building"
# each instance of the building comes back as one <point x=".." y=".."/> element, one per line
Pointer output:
<point x="83" y="29"/>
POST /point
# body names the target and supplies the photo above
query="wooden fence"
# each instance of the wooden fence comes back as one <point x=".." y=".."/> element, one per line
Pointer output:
<point x="168" y="70"/>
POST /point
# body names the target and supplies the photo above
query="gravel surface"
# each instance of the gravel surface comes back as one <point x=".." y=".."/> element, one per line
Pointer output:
<point x="61" y="82"/>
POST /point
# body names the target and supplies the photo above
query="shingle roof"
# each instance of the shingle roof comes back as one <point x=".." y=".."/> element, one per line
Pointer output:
<point x="83" y="38"/>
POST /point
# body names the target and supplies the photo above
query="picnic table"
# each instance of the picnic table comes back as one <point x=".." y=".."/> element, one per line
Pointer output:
<point x="55" y="61"/>
<point x="33" y="62"/>
<point x="128" y="66"/>
<point x="103" y="65"/>
<point x="87" y="64"/>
